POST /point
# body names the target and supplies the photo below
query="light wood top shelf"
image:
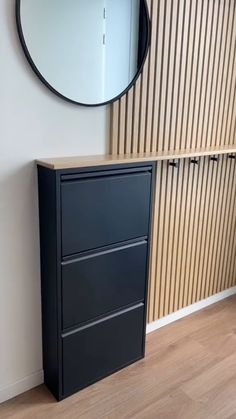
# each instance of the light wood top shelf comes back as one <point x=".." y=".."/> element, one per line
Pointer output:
<point x="60" y="163"/>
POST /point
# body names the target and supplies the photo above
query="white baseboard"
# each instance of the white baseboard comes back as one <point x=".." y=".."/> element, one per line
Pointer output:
<point x="21" y="386"/>
<point x="151" y="327"/>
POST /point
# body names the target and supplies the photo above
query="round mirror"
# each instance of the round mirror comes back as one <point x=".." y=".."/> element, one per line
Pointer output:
<point x="88" y="52"/>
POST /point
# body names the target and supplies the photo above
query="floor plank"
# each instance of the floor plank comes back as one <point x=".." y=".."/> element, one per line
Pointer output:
<point x="189" y="373"/>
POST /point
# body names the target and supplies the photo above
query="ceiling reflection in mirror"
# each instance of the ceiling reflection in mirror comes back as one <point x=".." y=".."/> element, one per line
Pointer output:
<point x="87" y="51"/>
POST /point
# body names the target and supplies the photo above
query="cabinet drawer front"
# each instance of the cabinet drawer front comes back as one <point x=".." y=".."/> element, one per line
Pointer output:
<point x="97" y="284"/>
<point x="104" y="210"/>
<point x="96" y="351"/>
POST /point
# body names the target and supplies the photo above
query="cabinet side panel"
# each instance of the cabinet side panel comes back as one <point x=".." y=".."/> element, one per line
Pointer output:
<point x="48" y="250"/>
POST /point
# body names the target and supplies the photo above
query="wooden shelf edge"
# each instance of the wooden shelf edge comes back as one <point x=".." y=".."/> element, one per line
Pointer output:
<point x="61" y="163"/>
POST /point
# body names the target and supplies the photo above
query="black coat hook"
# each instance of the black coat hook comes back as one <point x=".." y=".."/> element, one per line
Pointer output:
<point x="174" y="164"/>
<point x="231" y="156"/>
<point x="194" y="161"/>
<point x="214" y="158"/>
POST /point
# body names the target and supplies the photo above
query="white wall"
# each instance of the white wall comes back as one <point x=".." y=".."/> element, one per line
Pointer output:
<point x="34" y="123"/>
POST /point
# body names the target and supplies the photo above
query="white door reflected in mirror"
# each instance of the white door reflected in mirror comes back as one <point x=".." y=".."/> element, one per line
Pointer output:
<point x="87" y="51"/>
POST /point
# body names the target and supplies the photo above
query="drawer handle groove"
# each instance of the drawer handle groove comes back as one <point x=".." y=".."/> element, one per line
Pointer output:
<point x="103" y="250"/>
<point x="104" y="319"/>
<point x="108" y="174"/>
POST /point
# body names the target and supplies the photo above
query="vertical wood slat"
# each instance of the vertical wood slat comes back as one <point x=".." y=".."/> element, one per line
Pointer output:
<point x="186" y="98"/>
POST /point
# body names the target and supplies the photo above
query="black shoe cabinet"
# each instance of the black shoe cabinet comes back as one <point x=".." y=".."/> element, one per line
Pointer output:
<point x="95" y="225"/>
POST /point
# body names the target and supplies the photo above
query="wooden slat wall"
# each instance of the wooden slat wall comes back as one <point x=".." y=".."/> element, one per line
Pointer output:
<point x="186" y="95"/>
<point x="186" y="98"/>
<point x="194" y="246"/>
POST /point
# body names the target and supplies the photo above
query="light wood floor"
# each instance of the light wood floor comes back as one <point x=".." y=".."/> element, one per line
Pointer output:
<point x="189" y="372"/>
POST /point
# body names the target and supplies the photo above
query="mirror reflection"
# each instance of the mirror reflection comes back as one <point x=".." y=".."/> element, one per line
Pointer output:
<point x="88" y="51"/>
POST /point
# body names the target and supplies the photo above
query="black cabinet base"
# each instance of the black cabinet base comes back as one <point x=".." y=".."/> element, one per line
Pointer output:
<point x="59" y="398"/>
<point x="97" y="350"/>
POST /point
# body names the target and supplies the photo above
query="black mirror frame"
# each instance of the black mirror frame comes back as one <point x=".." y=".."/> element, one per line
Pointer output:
<point x="44" y="81"/>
